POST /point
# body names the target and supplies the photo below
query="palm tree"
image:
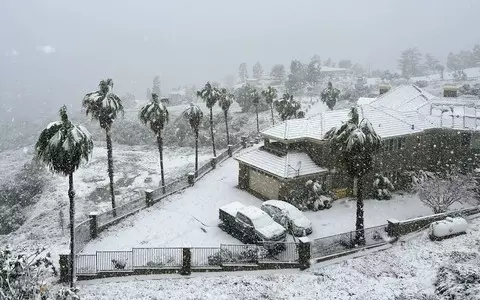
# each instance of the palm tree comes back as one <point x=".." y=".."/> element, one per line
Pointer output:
<point x="287" y="107"/>
<point x="194" y="116"/>
<point x="330" y="95"/>
<point x="356" y="142"/>
<point x="63" y="146"/>
<point x="256" y="101"/>
<point x="210" y="95"/>
<point x="103" y="105"/>
<point x="225" y="100"/>
<point x="155" y="115"/>
<point x="270" y="94"/>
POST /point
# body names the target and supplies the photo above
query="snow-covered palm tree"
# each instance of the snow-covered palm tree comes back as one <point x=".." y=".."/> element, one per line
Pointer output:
<point x="330" y="95"/>
<point x="270" y="94"/>
<point x="155" y="115"/>
<point x="356" y="143"/>
<point x="287" y="107"/>
<point x="63" y="146"/>
<point x="104" y="106"/>
<point x="194" y="116"/>
<point x="225" y="101"/>
<point x="210" y="96"/>
<point x="255" y="96"/>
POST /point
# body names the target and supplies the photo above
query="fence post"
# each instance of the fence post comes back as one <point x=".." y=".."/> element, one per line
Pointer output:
<point x="93" y="224"/>
<point x="229" y="150"/>
<point x="393" y="227"/>
<point x="213" y="162"/>
<point x="64" y="267"/>
<point x="244" y="141"/>
<point x="191" y="178"/>
<point x="304" y="252"/>
<point x="187" y="262"/>
<point x="149" y="197"/>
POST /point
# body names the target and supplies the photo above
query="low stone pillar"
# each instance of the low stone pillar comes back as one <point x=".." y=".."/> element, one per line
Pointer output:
<point x="213" y="162"/>
<point x="244" y="141"/>
<point x="64" y="267"/>
<point x="304" y="252"/>
<point x="230" y="150"/>
<point x="149" y="197"/>
<point x="393" y="228"/>
<point x="93" y="224"/>
<point x="187" y="262"/>
<point x="191" y="178"/>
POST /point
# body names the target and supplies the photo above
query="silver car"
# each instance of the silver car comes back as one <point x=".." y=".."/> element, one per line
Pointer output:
<point x="288" y="216"/>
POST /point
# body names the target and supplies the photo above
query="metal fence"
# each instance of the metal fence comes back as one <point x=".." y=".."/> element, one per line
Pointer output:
<point x="114" y="261"/>
<point x="206" y="257"/>
<point x="345" y="241"/>
<point x="86" y="264"/>
<point x="157" y="258"/>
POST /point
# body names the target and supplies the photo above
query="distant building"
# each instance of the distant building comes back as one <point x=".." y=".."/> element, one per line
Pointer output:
<point x="417" y="133"/>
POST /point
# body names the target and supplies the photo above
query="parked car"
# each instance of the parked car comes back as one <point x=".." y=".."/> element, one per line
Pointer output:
<point x="287" y="215"/>
<point x="251" y="225"/>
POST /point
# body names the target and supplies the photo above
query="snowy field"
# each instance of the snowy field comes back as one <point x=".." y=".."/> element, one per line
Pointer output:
<point x="408" y="270"/>
<point x="190" y="218"/>
<point x="136" y="169"/>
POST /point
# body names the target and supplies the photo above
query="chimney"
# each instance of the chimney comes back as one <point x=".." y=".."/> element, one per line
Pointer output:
<point x="383" y="88"/>
<point x="450" y="91"/>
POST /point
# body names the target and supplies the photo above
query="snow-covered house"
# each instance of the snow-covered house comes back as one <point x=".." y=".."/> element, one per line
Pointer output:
<point x="295" y="151"/>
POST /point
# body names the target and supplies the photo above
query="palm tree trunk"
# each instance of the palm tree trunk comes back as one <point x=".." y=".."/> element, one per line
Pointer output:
<point x="71" y="196"/>
<point x="211" y="132"/>
<point x="271" y="110"/>
<point x="256" y="112"/>
<point x="226" y="126"/>
<point x="196" y="153"/>
<point x="160" y="150"/>
<point x="359" y="225"/>
<point x="110" y="169"/>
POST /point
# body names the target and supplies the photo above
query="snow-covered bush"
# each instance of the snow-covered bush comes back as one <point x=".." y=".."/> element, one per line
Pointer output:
<point x="382" y="187"/>
<point x="458" y="281"/>
<point x="318" y="197"/>
<point x="440" y="192"/>
<point x="25" y="276"/>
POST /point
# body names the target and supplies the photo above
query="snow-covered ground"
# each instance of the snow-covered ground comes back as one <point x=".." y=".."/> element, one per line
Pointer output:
<point x="136" y="169"/>
<point x="190" y="218"/>
<point x="408" y="270"/>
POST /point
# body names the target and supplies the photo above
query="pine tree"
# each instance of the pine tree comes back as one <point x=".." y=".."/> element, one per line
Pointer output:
<point x="257" y="70"/>
<point x="243" y="72"/>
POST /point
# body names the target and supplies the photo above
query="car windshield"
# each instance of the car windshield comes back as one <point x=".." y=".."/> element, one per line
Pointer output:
<point x="262" y="221"/>
<point x="295" y="214"/>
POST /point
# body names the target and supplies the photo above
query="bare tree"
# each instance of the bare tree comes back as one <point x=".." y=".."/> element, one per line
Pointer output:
<point x="439" y="193"/>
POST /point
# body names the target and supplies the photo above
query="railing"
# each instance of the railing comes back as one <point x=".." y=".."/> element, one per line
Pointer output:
<point x="345" y="241"/>
<point x="82" y="235"/>
<point x="114" y="261"/>
<point x="207" y="257"/>
<point x="157" y="258"/>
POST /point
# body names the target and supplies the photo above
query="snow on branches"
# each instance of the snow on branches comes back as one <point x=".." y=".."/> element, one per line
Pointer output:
<point x="440" y="192"/>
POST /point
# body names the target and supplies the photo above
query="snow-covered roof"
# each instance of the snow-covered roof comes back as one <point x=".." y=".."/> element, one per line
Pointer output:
<point x="404" y="98"/>
<point x="252" y="212"/>
<point x="232" y="208"/>
<point x="331" y="69"/>
<point x="365" y="100"/>
<point x="291" y="165"/>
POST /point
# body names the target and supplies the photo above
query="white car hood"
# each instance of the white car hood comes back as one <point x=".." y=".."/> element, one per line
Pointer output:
<point x="271" y="230"/>
<point x="302" y="223"/>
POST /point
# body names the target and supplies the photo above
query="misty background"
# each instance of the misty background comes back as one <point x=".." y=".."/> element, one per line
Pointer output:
<point x="54" y="51"/>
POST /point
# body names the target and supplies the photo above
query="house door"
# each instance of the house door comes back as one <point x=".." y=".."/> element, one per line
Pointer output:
<point x="266" y="186"/>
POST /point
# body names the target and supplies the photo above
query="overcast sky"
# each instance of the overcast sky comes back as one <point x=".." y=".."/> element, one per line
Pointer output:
<point x="54" y="51"/>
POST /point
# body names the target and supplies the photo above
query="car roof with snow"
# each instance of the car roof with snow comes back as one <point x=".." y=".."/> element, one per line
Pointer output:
<point x="232" y="208"/>
<point x="280" y="204"/>
<point x="252" y="212"/>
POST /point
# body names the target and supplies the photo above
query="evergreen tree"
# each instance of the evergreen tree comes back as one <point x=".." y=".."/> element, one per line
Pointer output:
<point x="431" y="63"/>
<point x="296" y="78"/>
<point x="156" y="86"/>
<point x="330" y="95"/>
<point x="243" y="97"/>
<point x="270" y="94"/>
<point x="257" y="70"/>
<point x="243" y="72"/>
<point x="312" y="76"/>
<point x="210" y="96"/>
<point x="155" y="115"/>
<point x="345" y="63"/>
<point x="409" y="62"/>
<point x="194" y="116"/>
<point x="287" y="107"/>
<point x="104" y="106"/>
<point x="356" y="143"/>
<point x="278" y="72"/>
<point x="63" y="147"/>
